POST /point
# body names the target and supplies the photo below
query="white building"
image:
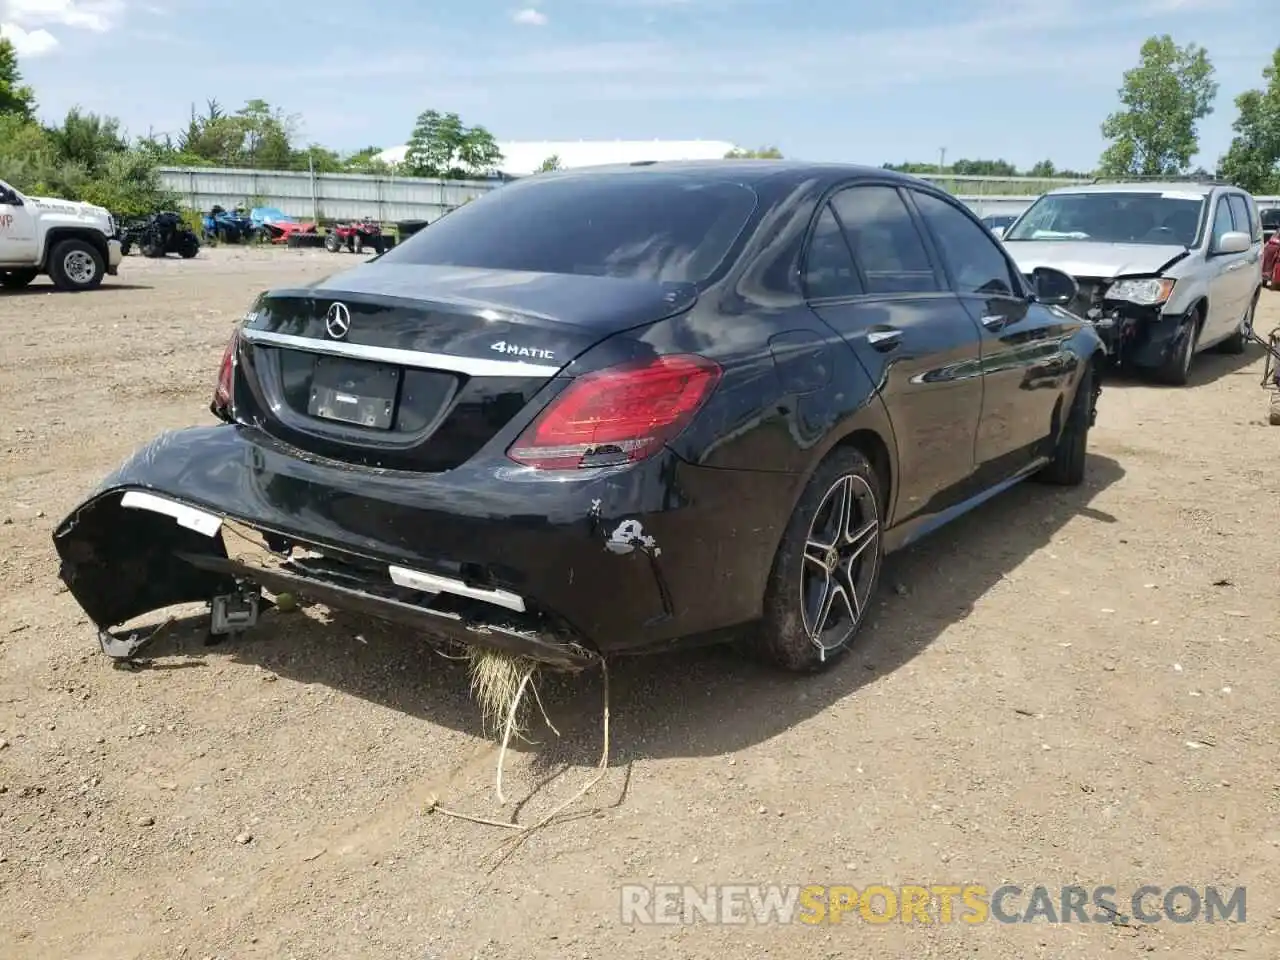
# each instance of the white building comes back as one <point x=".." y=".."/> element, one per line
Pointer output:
<point x="521" y="158"/>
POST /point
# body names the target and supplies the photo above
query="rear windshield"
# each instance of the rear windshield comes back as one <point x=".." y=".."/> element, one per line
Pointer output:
<point x="1105" y="217"/>
<point x="650" y="226"/>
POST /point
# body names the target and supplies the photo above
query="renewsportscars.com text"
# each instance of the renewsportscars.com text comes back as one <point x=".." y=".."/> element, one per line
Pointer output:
<point x="939" y="903"/>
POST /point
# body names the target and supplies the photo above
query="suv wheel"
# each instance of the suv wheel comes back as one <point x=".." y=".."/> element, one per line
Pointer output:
<point x="1235" y="344"/>
<point x="1177" y="366"/>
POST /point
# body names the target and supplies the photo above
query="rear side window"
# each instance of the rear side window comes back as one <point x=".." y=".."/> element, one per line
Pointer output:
<point x="971" y="253"/>
<point x="1243" y="219"/>
<point x="885" y="242"/>
<point x="828" y="266"/>
<point x="649" y="226"/>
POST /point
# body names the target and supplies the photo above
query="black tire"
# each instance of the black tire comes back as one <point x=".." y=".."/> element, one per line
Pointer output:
<point x="75" y="265"/>
<point x="790" y="635"/>
<point x="332" y="243"/>
<point x="1177" y="367"/>
<point x="17" y="279"/>
<point x="1067" y="467"/>
<point x="1238" y="340"/>
<point x="188" y="246"/>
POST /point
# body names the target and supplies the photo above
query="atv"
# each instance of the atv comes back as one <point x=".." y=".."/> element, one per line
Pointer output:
<point x="158" y="235"/>
<point x="227" y="226"/>
<point x="355" y="236"/>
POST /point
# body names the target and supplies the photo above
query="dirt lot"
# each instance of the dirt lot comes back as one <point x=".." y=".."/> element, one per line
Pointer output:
<point x="1065" y="688"/>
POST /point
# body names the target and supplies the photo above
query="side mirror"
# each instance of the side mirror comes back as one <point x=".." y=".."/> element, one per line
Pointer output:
<point x="1233" y="242"/>
<point x="998" y="232"/>
<point x="1053" y="287"/>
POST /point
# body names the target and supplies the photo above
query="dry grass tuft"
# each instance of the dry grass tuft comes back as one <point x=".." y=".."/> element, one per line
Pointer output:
<point x="497" y="683"/>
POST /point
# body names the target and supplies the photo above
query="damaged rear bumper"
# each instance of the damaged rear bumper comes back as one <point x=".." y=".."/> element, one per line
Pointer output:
<point x="558" y="569"/>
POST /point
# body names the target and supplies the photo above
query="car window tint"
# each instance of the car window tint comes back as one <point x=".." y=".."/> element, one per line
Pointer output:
<point x="1221" y="220"/>
<point x="829" y="270"/>
<point x="651" y="226"/>
<point x="885" y="243"/>
<point x="971" y="253"/>
<point x="1240" y="214"/>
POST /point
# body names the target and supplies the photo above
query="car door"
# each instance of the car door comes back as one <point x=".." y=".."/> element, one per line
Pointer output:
<point x="1223" y="271"/>
<point x="1025" y="366"/>
<point x="17" y="229"/>
<point x="1250" y="275"/>
<point x="871" y="278"/>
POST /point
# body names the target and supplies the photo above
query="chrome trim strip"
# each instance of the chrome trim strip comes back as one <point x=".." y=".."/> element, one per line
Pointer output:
<point x="470" y="366"/>
<point x="188" y="517"/>
<point x="434" y="583"/>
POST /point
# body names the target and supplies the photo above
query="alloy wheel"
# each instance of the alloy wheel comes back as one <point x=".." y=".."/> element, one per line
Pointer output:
<point x="841" y="556"/>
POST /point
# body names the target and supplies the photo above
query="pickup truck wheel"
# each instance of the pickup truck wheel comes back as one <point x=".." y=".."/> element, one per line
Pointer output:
<point x="75" y="265"/>
<point x="17" y="279"/>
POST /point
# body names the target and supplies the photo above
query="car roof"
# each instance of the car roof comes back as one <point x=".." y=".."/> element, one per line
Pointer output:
<point x="748" y="172"/>
<point x="1142" y="186"/>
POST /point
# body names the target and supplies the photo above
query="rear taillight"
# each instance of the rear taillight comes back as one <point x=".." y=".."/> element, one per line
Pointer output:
<point x="618" y="415"/>
<point x="221" y="405"/>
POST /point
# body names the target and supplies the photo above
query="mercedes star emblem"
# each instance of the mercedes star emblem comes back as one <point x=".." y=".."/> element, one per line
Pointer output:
<point x="337" y="321"/>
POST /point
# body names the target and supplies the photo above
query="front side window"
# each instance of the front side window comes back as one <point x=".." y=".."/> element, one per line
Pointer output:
<point x="971" y="253"/>
<point x="650" y="226"/>
<point x="1242" y="217"/>
<point x="886" y="245"/>
<point x="1222" y="222"/>
<point x="1113" y="217"/>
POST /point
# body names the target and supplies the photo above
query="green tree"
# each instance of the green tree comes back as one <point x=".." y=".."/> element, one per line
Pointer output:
<point x="15" y="96"/>
<point x="1044" y="168"/>
<point x="1253" y="159"/>
<point x="88" y="139"/>
<point x="984" y="168"/>
<point x="442" y="146"/>
<point x="1162" y="99"/>
<point x="366" y="161"/>
<point x="267" y="137"/>
<point x="551" y="163"/>
<point x="759" y="153"/>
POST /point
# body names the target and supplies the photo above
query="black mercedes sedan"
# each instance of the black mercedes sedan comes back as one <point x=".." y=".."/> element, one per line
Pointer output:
<point x="607" y="411"/>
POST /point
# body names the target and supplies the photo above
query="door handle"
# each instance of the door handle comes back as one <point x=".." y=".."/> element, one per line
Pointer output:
<point x="884" y="340"/>
<point x="994" y="321"/>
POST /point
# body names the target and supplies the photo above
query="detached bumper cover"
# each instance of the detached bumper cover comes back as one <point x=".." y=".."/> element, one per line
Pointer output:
<point x="557" y="571"/>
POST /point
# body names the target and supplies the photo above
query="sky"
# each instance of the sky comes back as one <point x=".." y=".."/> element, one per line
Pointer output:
<point x="1020" y="80"/>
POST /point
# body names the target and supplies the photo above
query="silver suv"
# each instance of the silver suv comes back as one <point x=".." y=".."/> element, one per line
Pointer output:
<point x="1166" y="270"/>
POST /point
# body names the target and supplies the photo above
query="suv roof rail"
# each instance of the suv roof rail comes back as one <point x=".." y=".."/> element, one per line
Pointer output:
<point x="1207" y="179"/>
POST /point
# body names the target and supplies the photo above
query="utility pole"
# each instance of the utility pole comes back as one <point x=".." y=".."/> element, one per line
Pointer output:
<point x="942" y="160"/>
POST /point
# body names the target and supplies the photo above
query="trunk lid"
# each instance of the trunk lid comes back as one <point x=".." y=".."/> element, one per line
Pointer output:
<point x="418" y="367"/>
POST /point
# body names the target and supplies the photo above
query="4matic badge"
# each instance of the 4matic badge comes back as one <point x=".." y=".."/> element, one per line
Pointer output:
<point x="515" y="350"/>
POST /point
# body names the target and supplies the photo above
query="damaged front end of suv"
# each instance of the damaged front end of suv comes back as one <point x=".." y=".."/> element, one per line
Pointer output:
<point x="1131" y="318"/>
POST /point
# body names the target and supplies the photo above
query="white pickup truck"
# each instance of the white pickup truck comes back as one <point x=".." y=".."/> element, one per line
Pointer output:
<point x="74" y="243"/>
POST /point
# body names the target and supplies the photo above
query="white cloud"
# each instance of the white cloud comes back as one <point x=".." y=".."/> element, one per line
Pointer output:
<point x="530" y="17"/>
<point x="33" y="43"/>
<point x="96" y="15"/>
<point x="23" y="22"/>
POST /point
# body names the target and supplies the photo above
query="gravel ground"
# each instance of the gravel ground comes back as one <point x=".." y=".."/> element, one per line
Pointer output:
<point x="1063" y="688"/>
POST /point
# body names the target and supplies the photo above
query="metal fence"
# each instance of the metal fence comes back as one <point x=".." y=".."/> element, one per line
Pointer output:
<point x="349" y="196"/>
<point x="328" y="196"/>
